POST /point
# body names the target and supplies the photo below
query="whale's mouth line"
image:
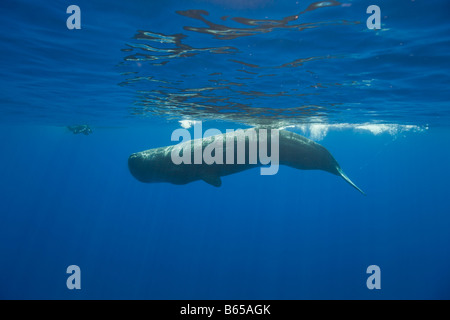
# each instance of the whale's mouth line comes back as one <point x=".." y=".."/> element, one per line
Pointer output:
<point x="343" y="175"/>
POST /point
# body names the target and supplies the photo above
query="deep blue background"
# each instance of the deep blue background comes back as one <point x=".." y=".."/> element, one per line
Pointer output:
<point x="69" y="199"/>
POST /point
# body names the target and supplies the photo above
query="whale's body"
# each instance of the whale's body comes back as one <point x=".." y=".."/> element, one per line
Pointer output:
<point x="156" y="165"/>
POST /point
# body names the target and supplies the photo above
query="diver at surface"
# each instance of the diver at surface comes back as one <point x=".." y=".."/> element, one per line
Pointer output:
<point x="84" y="129"/>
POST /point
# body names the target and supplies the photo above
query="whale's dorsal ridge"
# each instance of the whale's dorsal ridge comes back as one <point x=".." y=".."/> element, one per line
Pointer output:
<point x="213" y="180"/>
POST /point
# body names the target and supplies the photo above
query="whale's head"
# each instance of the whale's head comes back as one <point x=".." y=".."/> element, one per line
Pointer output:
<point x="155" y="165"/>
<point x="136" y="165"/>
<point x="146" y="167"/>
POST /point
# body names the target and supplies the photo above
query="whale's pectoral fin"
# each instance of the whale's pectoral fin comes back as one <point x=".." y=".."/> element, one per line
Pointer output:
<point x="212" y="180"/>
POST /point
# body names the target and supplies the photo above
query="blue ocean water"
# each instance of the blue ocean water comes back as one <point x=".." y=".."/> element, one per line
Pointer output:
<point x="376" y="99"/>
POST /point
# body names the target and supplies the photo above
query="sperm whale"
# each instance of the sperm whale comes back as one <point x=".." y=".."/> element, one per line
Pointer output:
<point x="294" y="150"/>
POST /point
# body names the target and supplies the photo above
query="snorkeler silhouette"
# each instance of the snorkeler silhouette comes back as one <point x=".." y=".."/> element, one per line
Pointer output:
<point x="84" y="129"/>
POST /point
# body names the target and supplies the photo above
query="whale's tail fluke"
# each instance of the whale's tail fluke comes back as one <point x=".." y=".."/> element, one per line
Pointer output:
<point x="343" y="175"/>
